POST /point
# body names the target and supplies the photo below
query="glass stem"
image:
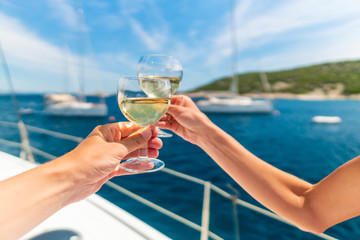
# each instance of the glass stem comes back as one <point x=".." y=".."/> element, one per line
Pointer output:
<point x="143" y="151"/>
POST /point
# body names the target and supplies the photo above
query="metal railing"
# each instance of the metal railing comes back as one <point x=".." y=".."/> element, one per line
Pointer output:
<point x="208" y="187"/>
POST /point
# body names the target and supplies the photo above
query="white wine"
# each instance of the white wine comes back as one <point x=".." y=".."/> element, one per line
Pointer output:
<point x="175" y="84"/>
<point x="153" y="88"/>
<point x="144" y="111"/>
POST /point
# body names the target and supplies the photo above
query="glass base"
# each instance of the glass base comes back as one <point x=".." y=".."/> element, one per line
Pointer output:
<point x="142" y="165"/>
<point x="164" y="134"/>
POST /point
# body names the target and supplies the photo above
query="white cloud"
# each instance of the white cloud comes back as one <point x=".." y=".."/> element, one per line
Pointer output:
<point x="313" y="32"/>
<point x="65" y="12"/>
<point x="253" y="28"/>
<point x="26" y="52"/>
<point x="111" y="22"/>
<point x="120" y="61"/>
<point x="98" y="4"/>
<point x="37" y="65"/>
<point x="7" y="3"/>
<point x="25" y="49"/>
<point x="336" y="44"/>
<point x="297" y="32"/>
<point x="131" y="7"/>
<point x="154" y="40"/>
<point x="155" y="33"/>
<point x="300" y="14"/>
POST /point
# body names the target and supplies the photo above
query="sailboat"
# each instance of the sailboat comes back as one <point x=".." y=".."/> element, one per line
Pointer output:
<point x="236" y="104"/>
<point x="68" y="105"/>
<point x="231" y="101"/>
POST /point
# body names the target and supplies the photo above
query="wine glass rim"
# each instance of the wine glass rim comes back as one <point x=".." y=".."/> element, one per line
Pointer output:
<point x="157" y="54"/>
<point x="157" y="77"/>
<point x="126" y="76"/>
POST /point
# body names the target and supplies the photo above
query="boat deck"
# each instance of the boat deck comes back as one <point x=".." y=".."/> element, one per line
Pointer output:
<point x="89" y="219"/>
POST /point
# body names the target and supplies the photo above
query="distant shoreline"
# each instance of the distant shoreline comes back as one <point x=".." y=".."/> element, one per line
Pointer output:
<point x="335" y="80"/>
<point x="304" y="96"/>
<point x="309" y="96"/>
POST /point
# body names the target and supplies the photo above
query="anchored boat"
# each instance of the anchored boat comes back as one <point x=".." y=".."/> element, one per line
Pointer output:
<point x="326" y="119"/>
<point x="238" y="104"/>
<point x="67" y="105"/>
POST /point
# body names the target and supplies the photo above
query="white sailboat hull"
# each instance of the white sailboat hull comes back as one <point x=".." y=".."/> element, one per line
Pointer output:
<point x="235" y="105"/>
<point x="326" y="119"/>
<point x="74" y="109"/>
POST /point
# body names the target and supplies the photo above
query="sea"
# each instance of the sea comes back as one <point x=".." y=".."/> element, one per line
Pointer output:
<point x="286" y="139"/>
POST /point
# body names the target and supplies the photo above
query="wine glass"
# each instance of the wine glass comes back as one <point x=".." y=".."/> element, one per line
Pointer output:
<point x="143" y="101"/>
<point x="161" y="66"/>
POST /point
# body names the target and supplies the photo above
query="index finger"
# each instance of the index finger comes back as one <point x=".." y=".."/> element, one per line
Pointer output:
<point x="182" y="100"/>
<point x="177" y="99"/>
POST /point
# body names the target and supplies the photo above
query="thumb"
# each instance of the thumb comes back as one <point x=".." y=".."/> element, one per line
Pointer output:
<point x="137" y="139"/>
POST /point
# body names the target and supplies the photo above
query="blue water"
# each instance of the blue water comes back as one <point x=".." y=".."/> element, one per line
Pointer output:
<point x="288" y="140"/>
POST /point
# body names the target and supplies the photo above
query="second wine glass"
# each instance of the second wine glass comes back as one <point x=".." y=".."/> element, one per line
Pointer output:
<point x="160" y="66"/>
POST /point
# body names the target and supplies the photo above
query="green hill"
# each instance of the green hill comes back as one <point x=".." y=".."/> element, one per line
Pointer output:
<point x="326" y="77"/>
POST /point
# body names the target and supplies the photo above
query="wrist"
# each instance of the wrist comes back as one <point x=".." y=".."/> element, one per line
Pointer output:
<point x="61" y="172"/>
<point x="207" y="132"/>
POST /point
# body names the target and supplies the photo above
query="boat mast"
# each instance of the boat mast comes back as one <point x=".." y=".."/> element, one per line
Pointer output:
<point x="66" y="69"/>
<point x="26" y="152"/>
<point x="81" y="69"/>
<point x="234" y="87"/>
<point x="84" y="40"/>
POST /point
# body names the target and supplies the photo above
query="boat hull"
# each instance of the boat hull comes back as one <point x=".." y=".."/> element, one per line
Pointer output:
<point x="256" y="106"/>
<point x="326" y="119"/>
<point x="77" y="109"/>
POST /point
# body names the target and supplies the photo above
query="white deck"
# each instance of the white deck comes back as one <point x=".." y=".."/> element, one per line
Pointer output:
<point x="93" y="218"/>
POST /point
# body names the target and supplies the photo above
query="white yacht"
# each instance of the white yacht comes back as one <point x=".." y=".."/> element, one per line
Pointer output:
<point x="238" y="104"/>
<point x="68" y="106"/>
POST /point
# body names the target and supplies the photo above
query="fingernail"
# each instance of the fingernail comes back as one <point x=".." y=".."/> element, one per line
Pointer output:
<point x="146" y="133"/>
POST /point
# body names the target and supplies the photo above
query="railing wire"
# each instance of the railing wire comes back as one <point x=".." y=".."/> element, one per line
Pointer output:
<point x="204" y="229"/>
<point x="45" y="131"/>
<point x="25" y="152"/>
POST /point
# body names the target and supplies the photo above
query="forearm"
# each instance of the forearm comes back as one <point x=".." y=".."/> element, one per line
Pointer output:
<point x="311" y="207"/>
<point x="279" y="191"/>
<point x="29" y="198"/>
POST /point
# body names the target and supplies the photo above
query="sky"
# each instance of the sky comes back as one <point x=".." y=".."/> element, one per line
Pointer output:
<point x="45" y="42"/>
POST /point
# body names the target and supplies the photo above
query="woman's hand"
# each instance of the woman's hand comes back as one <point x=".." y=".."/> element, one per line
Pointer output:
<point x="185" y="119"/>
<point x="97" y="158"/>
